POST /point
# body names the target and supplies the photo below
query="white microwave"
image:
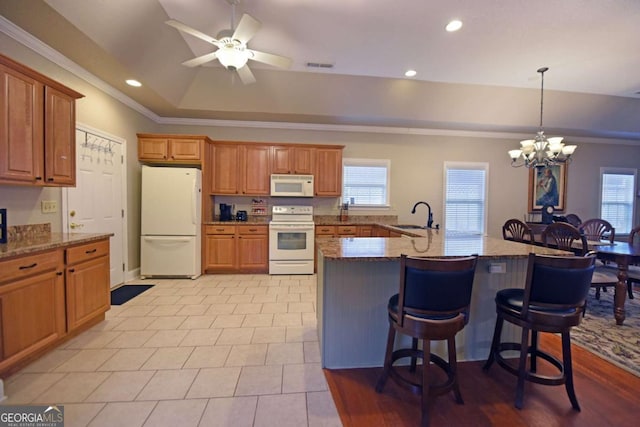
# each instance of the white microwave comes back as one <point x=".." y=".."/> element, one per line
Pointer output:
<point x="292" y="185"/>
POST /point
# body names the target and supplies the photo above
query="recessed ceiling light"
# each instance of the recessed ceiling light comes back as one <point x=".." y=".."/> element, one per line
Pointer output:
<point x="134" y="83"/>
<point x="454" y="25"/>
<point x="410" y="73"/>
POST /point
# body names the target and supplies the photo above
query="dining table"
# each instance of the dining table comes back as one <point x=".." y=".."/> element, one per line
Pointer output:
<point x="623" y="254"/>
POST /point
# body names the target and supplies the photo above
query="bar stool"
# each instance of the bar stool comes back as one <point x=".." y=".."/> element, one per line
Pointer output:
<point x="432" y="304"/>
<point x="552" y="301"/>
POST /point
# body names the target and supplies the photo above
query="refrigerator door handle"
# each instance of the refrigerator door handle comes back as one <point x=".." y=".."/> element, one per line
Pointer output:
<point x="166" y="239"/>
<point x="194" y="202"/>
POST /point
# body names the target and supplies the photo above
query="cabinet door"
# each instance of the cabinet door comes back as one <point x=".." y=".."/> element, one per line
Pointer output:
<point x="281" y="160"/>
<point x="224" y="172"/>
<point x="328" y="176"/>
<point x="253" y="252"/>
<point x="220" y="252"/>
<point x="59" y="138"/>
<point x="365" y="231"/>
<point x="255" y="170"/>
<point x="32" y="315"/>
<point x="184" y="149"/>
<point x="21" y="130"/>
<point x="153" y="148"/>
<point x="87" y="291"/>
<point x="303" y="160"/>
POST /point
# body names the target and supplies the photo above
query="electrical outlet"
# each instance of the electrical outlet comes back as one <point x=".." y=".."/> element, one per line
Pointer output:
<point x="49" y="206"/>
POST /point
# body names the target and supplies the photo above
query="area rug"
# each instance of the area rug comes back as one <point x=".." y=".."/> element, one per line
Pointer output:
<point x="599" y="333"/>
<point x="124" y="293"/>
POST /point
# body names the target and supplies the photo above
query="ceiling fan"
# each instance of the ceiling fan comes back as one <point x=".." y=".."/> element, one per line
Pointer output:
<point x="233" y="52"/>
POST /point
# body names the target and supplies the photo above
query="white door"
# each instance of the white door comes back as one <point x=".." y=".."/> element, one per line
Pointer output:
<point x="95" y="205"/>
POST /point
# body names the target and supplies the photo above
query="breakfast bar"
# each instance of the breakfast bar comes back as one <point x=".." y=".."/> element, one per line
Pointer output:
<point x="357" y="276"/>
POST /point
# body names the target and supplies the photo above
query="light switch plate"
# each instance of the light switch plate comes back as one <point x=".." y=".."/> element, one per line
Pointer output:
<point x="49" y="206"/>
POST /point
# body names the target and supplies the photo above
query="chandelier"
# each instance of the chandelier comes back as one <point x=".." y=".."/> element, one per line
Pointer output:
<point x="541" y="151"/>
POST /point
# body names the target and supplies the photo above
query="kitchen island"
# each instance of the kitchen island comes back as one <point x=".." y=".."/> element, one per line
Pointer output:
<point x="357" y="276"/>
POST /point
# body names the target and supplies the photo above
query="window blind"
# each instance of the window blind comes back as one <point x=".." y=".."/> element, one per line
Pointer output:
<point x="465" y="203"/>
<point x="365" y="183"/>
<point x="617" y="197"/>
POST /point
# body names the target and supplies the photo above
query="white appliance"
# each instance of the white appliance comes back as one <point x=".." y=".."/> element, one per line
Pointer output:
<point x="170" y="213"/>
<point x="291" y="240"/>
<point x="292" y="185"/>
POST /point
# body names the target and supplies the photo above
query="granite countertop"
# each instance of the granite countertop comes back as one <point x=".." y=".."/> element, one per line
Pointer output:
<point x="356" y="220"/>
<point x="433" y="243"/>
<point x="41" y="242"/>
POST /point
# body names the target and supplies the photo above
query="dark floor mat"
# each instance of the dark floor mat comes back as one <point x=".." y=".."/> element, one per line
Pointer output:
<point x="125" y="293"/>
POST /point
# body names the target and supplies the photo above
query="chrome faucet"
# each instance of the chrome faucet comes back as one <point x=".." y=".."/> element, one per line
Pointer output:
<point x="430" y="215"/>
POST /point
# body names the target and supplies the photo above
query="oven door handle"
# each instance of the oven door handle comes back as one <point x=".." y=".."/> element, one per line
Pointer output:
<point x="290" y="228"/>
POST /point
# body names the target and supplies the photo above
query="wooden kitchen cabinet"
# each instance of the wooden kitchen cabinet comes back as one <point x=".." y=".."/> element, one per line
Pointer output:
<point x="224" y="169"/>
<point x="328" y="172"/>
<point x="37" y="119"/>
<point x="236" y="249"/>
<point x="325" y="230"/>
<point x="32" y="302"/>
<point x="220" y="249"/>
<point x="171" y="149"/>
<point x="292" y="160"/>
<point x="253" y="248"/>
<point x="347" y="231"/>
<point x="88" y="283"/>
<point x="365" y="231"/>
<point x="255" y="170"/>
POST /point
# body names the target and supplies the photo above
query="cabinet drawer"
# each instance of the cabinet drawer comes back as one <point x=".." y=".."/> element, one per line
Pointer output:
<point x="325" y="230"/>
<point x="347" y="229"/>
<point x="220" y="229"/>
<point x="29" y="265"/>
<point x="87" y="251"/>
<point x="252" y="229"/>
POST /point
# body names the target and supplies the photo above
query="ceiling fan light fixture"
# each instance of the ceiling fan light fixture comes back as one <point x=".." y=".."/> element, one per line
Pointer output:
<point x="232" y="58"/>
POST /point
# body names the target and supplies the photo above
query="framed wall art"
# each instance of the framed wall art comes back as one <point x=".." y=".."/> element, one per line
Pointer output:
<point x="547" y="186"/>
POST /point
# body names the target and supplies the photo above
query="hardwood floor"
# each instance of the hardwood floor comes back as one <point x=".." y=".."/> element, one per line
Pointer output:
<point x="608" y="395"/>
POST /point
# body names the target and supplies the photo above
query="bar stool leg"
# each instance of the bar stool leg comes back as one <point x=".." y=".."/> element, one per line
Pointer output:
<point x="568" y="370"/>
<point x="453" y="368"/>
<point x="534" y="351"/>
<point x="391" y="336"/>
<point x="426" y="363"/>
<point x="522" y="367"/>
<point x="494" y="343"/>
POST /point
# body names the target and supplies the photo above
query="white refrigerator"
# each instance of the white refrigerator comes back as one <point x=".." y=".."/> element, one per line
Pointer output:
<point x="170" y="213"/>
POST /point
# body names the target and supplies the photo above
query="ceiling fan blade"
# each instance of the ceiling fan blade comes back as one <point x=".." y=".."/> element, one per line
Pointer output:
<point x="186" y="29"/>
<point x="246" y="75"/>
<point x="200" y="59"/>
<point x="270" y="58"/>
<point x="246" y="29"/>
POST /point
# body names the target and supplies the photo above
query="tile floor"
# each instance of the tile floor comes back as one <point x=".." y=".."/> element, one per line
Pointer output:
<point x="222" y="350"/>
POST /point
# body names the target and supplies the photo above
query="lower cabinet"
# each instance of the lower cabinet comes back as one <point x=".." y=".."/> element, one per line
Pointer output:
<point x="32" y="309"/>
<point x="48" y="295"/>
<point x="236" y="248"/>
<point x="88" y="284"/>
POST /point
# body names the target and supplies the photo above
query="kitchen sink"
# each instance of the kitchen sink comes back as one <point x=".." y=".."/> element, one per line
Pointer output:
<point x="409" y="226"/>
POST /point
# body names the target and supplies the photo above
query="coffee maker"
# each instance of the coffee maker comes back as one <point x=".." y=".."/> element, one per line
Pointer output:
<point x="226" y="212"/>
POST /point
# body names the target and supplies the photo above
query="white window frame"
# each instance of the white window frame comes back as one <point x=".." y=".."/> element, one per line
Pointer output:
<point x="620" y="171"/>
<point x="386" y="163"/>
<point x="483" y="166"/>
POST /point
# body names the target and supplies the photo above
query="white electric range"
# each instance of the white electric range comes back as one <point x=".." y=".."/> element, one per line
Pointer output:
<point x="291" y="240"/>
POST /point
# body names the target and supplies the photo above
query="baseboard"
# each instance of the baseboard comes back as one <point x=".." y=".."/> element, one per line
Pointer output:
<point x="132" y="275"/>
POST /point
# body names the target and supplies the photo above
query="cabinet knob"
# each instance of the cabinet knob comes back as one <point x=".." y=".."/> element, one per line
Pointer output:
<point x="49" y="179"/>
<point x="38" y="178"/>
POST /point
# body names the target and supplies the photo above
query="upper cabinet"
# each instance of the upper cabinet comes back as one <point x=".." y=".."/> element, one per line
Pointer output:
<point x="37" y="128"/>
<point x="245" y="168"/>
<point x="328" y="172"/>
<point x="292" y="160"/>
<point x="167" y="149"/>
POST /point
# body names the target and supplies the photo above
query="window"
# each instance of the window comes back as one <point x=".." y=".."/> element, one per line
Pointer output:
<point x="617" y="201"/>
<point x="465" y="207"/>
<point x="365" y="182"/>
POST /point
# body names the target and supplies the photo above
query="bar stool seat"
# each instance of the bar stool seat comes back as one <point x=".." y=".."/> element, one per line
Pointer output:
<point x="432" y="305"/>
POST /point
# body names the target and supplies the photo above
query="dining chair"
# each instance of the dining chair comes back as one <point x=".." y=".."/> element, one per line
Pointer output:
<point x="566" y="237"/>
<point x="517" y="231"/>
<point x="633" y="273"/>
<point x="432" y="304"/>
<point x="552" y="300"/>
<point x="573" y="219"/>
<point x="599" y="230"/>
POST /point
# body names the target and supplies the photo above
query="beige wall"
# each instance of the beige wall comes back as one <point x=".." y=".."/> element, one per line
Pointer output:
<point x="417" y="161"/>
